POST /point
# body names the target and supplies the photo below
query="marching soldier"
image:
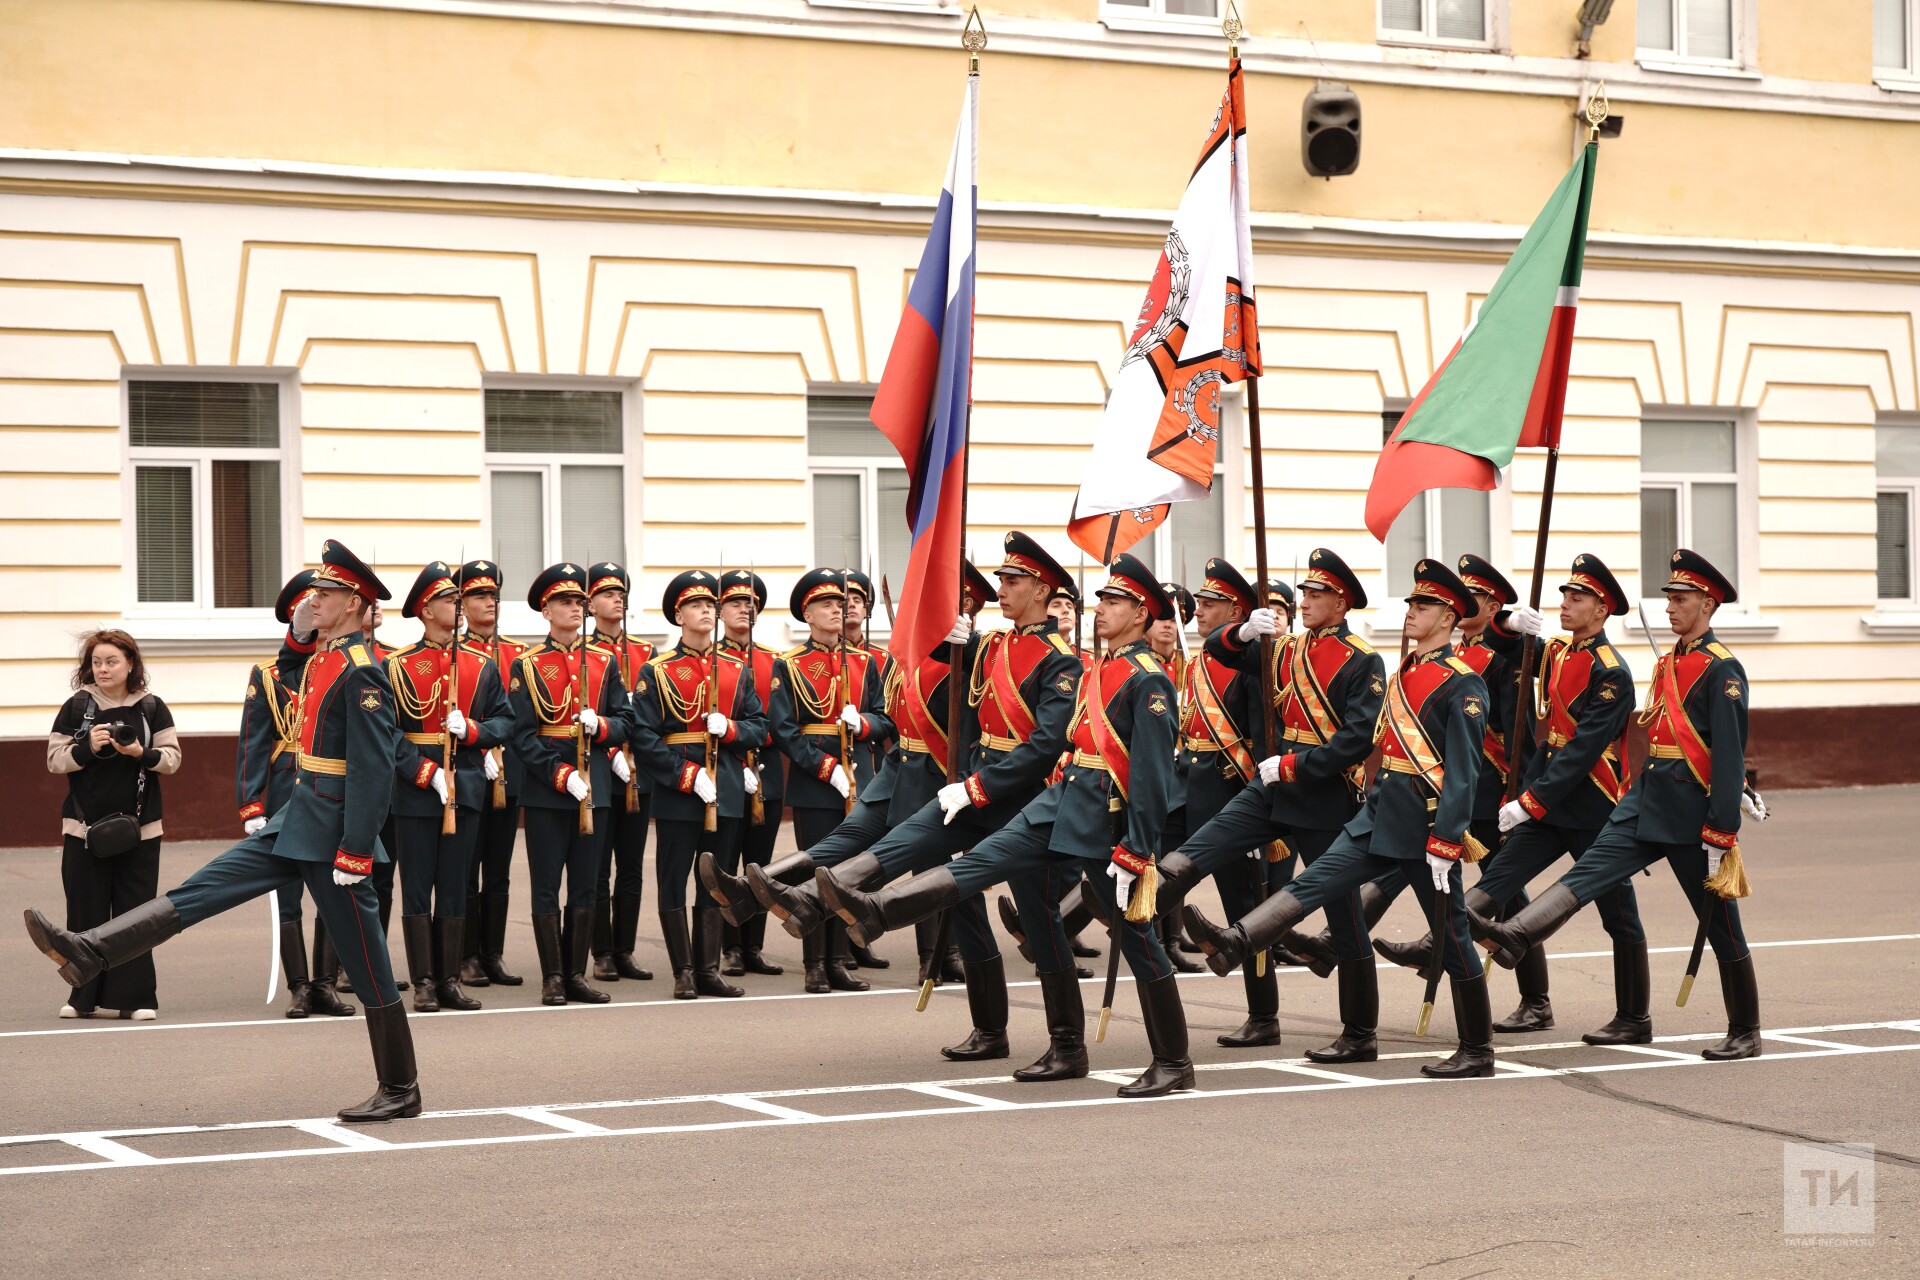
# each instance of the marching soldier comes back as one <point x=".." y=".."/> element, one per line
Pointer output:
<point x="743" y="594"/>
<point x="1430" y="731"/>
<point x="569" y="709"/>
<point x="492" y="870"/>
<point x="1107" y="810"/>
<point x="1685" y="807"/>
<point x="695" y="717"/>
<point x="616" y="921"/>
<point x="451" y="710"/>
<point x="1330" y="684"/>
<point x="327" y="836"/>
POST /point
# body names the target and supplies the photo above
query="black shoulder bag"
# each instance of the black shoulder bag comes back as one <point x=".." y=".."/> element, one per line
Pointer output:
<point x="116" y="833"/>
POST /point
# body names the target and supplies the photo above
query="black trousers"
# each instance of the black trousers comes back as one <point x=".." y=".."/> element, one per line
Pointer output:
<point x="434" y="868"/>
<point x="492" y="870"/>
<point x="556" y="849"/>
<point x="623" y="857"/>
<point x="98" y="889"/>
<point x="678" y="845"/>
<point x="753" y="841"/>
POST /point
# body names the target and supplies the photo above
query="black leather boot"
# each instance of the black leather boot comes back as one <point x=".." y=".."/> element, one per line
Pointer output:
<point x="1535" y="1010"/>
<point x="1178" y="875"/>
<point x="1227" y="949"/>
<point x="398" y="1094"/>
<point x="987" y="1002"/>
<point x="1317" y="950"/>
<point x="472" y="973"/>
<point x="729" y="892"/>
<point x="321" y="995"/>
<point x="1066" y="1055"/>
<point x="1010" y="921"/>
<point x="1359" y="1015"/>
<point x="1171" y="1069"/>
<point x="732" y="963"/>
<point x="546" y="942"/>
<point x="1417" y="953"/>
<point x="1170" y="943"/>
<point x="493" y="942"/>
<point x="82" y="957"/>
<point x="1632" y="998"/>
<point x="1473" y="1021"/>
<point x="604" y="969"/>
<point x="840" y="959"/>
<point x="626" y="934"/>
<point x="784" y="888"/>
<point x="865" y="959"/>
<point x="1529" y="926"/>
<point x="869" y="915"/>
<point x="753" y="938"/>
<point x="579" y="943"/>
<point x="1262" y="1026"/>
<point x="673" y="933"/>
<point x="417" y="933"/>
<point x="1741" y="992"/>
<point x="926" y="938"/>
<point x="293" y="962"/>
<point x="813" y="956"/>
<point x="952" y="967"/>
<point x="706" y="951"/>
<point x="452" y="933"/>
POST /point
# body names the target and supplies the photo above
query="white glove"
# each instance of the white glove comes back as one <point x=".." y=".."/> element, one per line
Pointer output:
<point x="576" y="786"/>
<point x="953" y="798"/>
<point x="345" y="877"/>
<point x="703" y="786"/>
<point x="850" y="717"/>
<point x="589" y="722"/>
<point x="457" y="724"/>
<point x="1512" y="814"/>
<point x="439" y="784"/>
<point x="839" y="781"/>
<point x="252" y="825"/>
<point x="1754" y="806"/>
<point x="1714" y="853"/>
<point x="621" y="769"/>
<point x="1442" y="869"/>
<point x="491" y="765"/>
<point x="304" y="623"/>
<point x="1527" y="620"/>
<point x="716" y="724"/>
<point x="752" y="779"/>
<point x="1261" y="622"/>
<point x="961" y="630"/>
<point x="1122" y="884"/>
<point x="1270" y="770"/>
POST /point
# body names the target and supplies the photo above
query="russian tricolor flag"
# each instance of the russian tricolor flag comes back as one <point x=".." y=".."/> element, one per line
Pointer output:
<point x="922" y="402"/>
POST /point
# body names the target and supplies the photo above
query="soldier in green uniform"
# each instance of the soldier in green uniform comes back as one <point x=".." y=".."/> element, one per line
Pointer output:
<point x="488" y="882"/>
<point x="621" y="882"/>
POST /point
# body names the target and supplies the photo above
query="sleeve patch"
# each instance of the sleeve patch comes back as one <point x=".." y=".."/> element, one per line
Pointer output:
<point x="1472" y="705"/>
<point x="1732" y="689"/>
<point x="1377" y="686"/>
<point x="370" y="700"/>
<point x="1608" y="693"/>
<point x="1064" y="684"/>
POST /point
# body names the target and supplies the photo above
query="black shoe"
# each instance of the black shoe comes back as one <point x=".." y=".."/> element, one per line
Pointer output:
<point x="1262" y="1027"/>
<point x="1741" y="992"/>
<point x="732" y="963"/>
<point x="417" y="933"/>
<point x="546" y="942"/>
<point x="952" y="968"/>
<point x="1066" y="1055"/>
<point x="82" y="957"/>
<point x="706" y="954"/>
<point x="626" y="932"/>
<point x="398" y="1094"/>
<point x="293" y="962"/>
<point x="729" y="892"/>
<point x="1528" y="927"/>
<point x="813" y="956"/>
<point x="1533" y="1013"/>
<point x="839" y="978"/>
<point x="604" y="969"/>
<point x="1169" y="933"/>
<point x="579" y="941"/>
<point x="452" y="934"/>
<point x="1171" y="1069"/>
<point x="493" y="937"/>
<point x="1254" y="1033"/>
<point x="865" y="959"/>
<point x="754" y="962"/>
<point x="673" y="933"/>
<point x="1473" y="1021"/>
<point x="1632" y="1021"/>
<point x="869" y="915"/>
<point x="321" y="994"/>
<point x="1359" y="1015"/>
<point x="987" y="1003"/>
<point x="1415" y="955"/>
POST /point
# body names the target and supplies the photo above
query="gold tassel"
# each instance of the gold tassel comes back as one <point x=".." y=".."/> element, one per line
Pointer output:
<point x="1278" y="851"/>
<point x="1475" y="850"/>
<point x="1146" y="891"/>
<point x="1730" y="881"/>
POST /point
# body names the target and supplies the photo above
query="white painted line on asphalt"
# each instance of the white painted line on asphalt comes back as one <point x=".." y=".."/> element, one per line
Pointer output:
<point x="1787" y="1039"/>
<point x="1519" y="1068"/>
<point x="951" y="990"/>
<point x="1650" y="1051"/>
<point x="112" y="1149"/>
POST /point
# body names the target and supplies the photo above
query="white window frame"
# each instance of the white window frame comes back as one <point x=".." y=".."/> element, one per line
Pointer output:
<point x="1739" y="617"/>
<point x="1495" y="23"/>
<point x="1154" y="18"/>
<point x="1229" y="471"/>
<point x="516" y="619"/>
<point x="1894" y="617"/>
<point x="1905" y="79"/>
<point x="938" y="8"/>
<point x="1745" y="20"/>
<point x="199" y="627"/>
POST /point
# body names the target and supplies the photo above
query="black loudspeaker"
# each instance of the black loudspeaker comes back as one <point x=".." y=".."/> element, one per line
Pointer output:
<point x="1330" y="130"/>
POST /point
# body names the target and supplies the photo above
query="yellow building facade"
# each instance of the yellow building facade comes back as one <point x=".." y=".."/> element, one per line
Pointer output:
<point x="545" y="279"/>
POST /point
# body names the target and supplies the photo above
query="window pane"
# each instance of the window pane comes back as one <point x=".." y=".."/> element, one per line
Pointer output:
<point x="1687" y="446"/>
<point x="836" y="521"/>
<point x="203" y="415"/>
<point x="1407" y="543"/>
<point x="1896" y="450"/>
<point x="838" y="427"/>
<point x="1715" y="527"/>
<point x="163" y="533"/>
<point x="553" y="422"/>
<point x="1466" y="523"/>
<point x="1709" y="28"/>
<point x="592" y="515"/>
<point x="1197" y="532"/>
<point x="1400" y="15"/>
<point x="246" y="534"/>
<point x="1194" y="8"/>
<point x="1894" y="545"/>
<point x="1128" y="4"/>
<point x="519" y="530"/>
<point x="895" y="539"/>
<point x="1890" y="38"/>
<point x="1461" y="19"/>
<point x="1659" y="536"/>
<point x="1655" y="30"/>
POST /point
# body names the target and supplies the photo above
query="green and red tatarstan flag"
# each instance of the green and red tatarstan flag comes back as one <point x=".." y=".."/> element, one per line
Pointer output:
<point x="1504" y="384"/>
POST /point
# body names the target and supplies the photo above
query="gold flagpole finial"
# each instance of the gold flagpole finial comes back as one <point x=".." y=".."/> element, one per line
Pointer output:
<point x="1598" y="109"/>
<point x="1232" y="28"/>
<point x="973" y="38"/>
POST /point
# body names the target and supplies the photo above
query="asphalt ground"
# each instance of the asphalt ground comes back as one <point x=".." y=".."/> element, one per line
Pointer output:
<point x="778" y="1135"/>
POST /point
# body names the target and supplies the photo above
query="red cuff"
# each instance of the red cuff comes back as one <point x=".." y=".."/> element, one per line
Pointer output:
<point x="293" y="642"/>
<point x="861" y="734"/>
<point x="561" y="775"/>
<point x="254" y="810"/>
<point x="1443" y="849"/>
<point x="472" y="735"/>
<point x="732" y="733"/>
<point x="423" y="776"/>
<point x="1131" y="861"/>
<point x="1534" y="808"/>
<point x="689" y="770"/>
<point x="600" y="730"/>
<point x="1288" y="764"/>
<point x="352" y="864"/>
<point x="977" y="793"/>
<point x="827" y="765"/>
<point x="1719" y="839"/>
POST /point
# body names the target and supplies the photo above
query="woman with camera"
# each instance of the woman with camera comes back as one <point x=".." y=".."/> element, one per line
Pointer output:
<point x="111" y="738"/>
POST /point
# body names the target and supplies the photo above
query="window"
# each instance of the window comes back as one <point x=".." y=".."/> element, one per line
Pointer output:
<point x="1689" y="30"/>
<point x="556" y="478"/>
<point x="1187" y="12"/>
<point x="1194" y="532"/>
<point x="859" y="489"/>
<point x="1897" y="479"/>
<point x="1441" y="524"/>
<point x="1896" y="46"/>
<point x="1689" y="496"/>
<point x="207" y="479"/>
<point x="1441" y="22"/>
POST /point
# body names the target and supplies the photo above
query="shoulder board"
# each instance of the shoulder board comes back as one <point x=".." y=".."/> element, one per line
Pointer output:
<point x="1359" y="643"/>
<point x="794" y="652"/>
<point x="1148" y="663"/>
<point x="657" y="660"/>
<point x="266" y="669"/>
<point x="1608" y="658"/>
<point x="1720" y="651"/>
<point x="475" y="648"/>
<point x="1059" y="643"/>
<point x="1459" y="664"/>
<point x="357" y="654"/>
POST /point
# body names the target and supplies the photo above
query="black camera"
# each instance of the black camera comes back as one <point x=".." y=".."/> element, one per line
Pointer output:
<point x="125" y="734"/>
